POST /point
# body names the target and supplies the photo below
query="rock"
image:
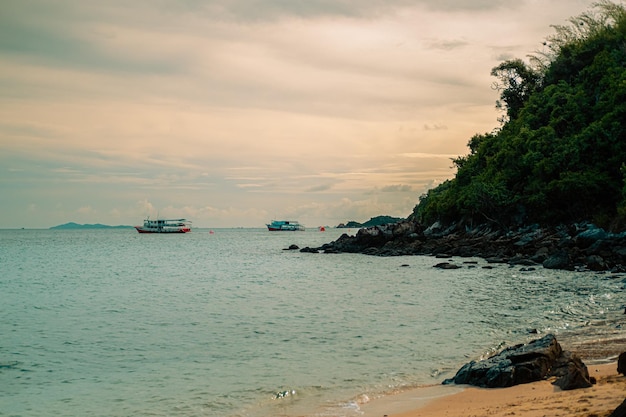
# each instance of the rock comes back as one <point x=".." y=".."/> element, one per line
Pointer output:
<point x="492" y="260"/>
<point x="525" y="240"/>
<point x="403" y="229"/>
<point x="571" y="372"/>
<point x="521" y="364"/>
<point x="596" y="263"/>
<point x="521" y="261"/>
<point x="620" y="411"/>
<point x="580" y="246"/>
<point x="621" y="362"/>
<point x="559" y="260"/>
<point x="515" y="365"/>
<point x="433" y="229"/>
<point x="446" y="265"/>
<point x="590" y="236"/>
<point x="292" y="247"/>
<point x="541" y="255"/>
<point x="575" y="378"/>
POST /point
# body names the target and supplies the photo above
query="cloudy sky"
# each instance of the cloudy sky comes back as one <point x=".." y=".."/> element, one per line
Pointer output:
<point x="235" y="112"/>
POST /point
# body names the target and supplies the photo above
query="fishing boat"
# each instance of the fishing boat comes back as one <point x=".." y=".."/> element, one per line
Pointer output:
<point x="165" y="226"/>
<point x="284" y="225"/>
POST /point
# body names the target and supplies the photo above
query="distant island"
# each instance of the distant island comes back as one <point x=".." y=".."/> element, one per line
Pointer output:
<point x="76" y="226"/>
<point x="374" y="221"/>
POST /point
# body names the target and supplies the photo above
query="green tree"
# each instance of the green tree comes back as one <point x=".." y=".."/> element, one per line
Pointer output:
<point x="516" y="82"/>
<point x="560" y="153"/>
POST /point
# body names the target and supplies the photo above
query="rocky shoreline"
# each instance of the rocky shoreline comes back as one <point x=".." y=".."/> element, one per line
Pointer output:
<point x="581" y="246"/>
<point x="575" y="247"/>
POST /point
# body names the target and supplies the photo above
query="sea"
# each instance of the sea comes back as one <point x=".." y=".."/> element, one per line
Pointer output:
<point x="226" y="322"/>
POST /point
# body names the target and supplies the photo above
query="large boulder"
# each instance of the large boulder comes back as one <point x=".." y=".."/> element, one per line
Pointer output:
<point x="571" y="372"/>
<point x="558" y="260"/>
<point x="525" y="363"/>
<point x="620" y="411"/>
<point x="590" y="235"/>
<point x="621" y="362"/>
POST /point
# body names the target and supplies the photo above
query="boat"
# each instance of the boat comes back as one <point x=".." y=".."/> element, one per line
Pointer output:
<point x="285" y="225"/>
<point x="165" y="226"/>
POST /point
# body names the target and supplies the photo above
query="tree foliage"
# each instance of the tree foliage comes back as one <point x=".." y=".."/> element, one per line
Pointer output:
<point x="560" y="154"/>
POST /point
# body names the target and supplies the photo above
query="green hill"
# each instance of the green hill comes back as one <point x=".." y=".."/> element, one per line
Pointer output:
<point x="559" y="155"/>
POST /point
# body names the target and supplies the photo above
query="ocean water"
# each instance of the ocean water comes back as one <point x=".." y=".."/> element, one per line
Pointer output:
<point x="226" y="323"/>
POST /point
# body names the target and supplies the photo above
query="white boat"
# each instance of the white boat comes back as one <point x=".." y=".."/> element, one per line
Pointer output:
<point x="165" y="226"/>
<point x="285" y="225"/>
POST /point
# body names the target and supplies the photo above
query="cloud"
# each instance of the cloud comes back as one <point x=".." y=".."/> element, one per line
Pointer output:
<point x="435" y="126"/>
<point x="448" y="45"/>
<point x="318" y="188"/>
<point x="428" y="155"/>
<point x="85" y="210"/>
<point x="254" y="10"/>
<point x="230" y="110"/>
<point x="249" y="185"/>
<point x="399" y="188"/>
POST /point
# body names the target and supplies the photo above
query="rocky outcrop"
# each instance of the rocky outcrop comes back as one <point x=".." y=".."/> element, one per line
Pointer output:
<point x="621" y="364"/>
<point x="521" y="364"/>
<point x="571" y="372"/>
<point x="620" y="411"/>
<point x="571" y="247"/>
<point x="374" y="221"/>
<point x="446" y="265"/>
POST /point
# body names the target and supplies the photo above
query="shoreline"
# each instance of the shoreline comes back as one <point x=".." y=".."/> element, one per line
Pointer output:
<point x="535" y="399"/>
<point x="575" y="247"/>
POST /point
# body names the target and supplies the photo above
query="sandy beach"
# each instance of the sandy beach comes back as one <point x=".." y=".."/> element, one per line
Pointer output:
<point x="529" y="400"/>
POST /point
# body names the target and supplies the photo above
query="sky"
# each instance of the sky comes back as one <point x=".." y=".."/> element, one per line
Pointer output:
<point x="231" y="113"/>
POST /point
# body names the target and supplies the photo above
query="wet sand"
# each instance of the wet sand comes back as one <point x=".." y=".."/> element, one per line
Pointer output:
<point x="537" y="399"/>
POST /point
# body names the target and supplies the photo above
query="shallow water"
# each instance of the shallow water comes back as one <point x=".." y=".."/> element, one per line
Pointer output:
<point x="114" y="323"/>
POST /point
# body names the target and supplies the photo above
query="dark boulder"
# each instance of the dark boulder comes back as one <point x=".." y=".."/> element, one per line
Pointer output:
<point x="446" y="265"/>
<point x="621" y="362"/>
<point x="590" y="235"/>
<point x="596" y="263"/>
<point x="571" y="372"/>
<point x="559" y="260"/>
<point x="620" y="411"/>
<point x="526" y="363"/>
<point x="518" y="364"/>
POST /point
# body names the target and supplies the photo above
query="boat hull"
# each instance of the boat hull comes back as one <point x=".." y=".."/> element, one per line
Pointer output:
<point x="147" y="230"/>
<point x="164" y="226"/>
<point x="284" y="226"/>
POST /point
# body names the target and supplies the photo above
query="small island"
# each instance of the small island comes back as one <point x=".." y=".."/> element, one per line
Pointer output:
<point x="374" y="221"/>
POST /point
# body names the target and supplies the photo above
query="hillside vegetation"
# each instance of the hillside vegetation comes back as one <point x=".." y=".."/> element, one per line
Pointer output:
<point x="559" y="154"/>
